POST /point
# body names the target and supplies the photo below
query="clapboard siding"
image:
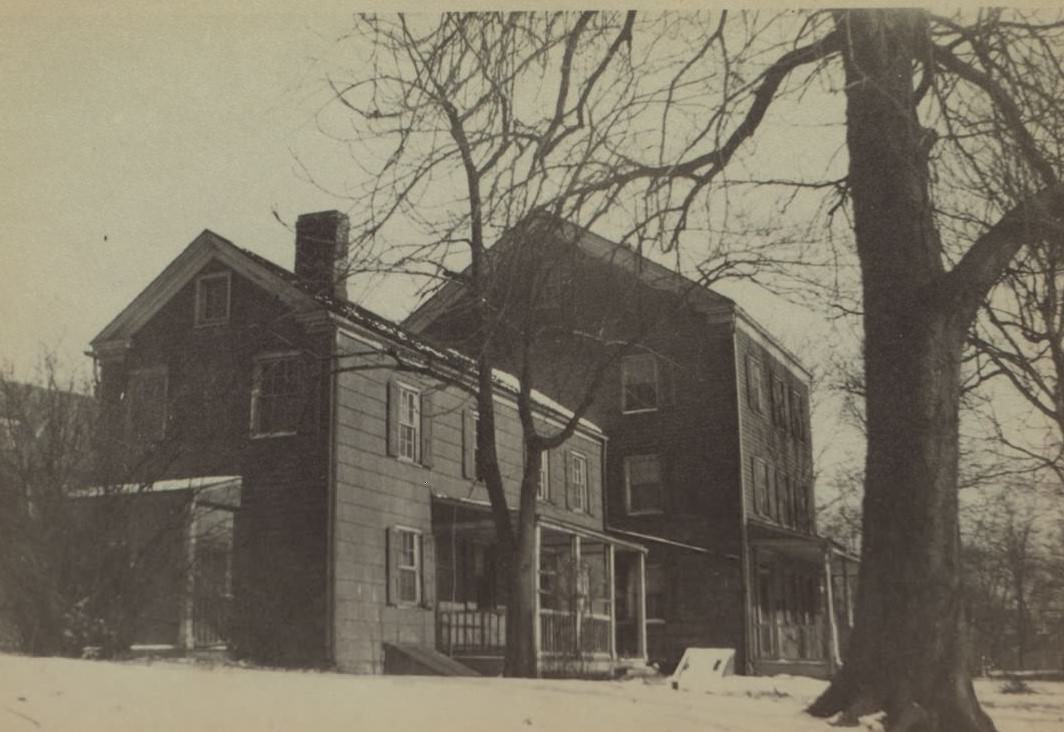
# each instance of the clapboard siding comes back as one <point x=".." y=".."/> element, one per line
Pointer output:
<point x="375" y="491"/>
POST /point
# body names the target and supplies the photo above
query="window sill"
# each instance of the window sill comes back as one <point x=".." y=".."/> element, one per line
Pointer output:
<point x="649" y="512"/>
<point x="211" y="323"/>
<point x="268" y="435"/>
<point x="645" y="410"/>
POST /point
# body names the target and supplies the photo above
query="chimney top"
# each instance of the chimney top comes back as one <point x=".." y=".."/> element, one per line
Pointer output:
<point x="321" y="251"/>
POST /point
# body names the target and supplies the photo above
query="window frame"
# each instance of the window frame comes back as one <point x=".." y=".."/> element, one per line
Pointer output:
<point x="199" y="316"/>
<point x="628" y="486"/>
<point x="258" y="362"/>
<point x="625" y="361"/>
<point x="780" y="396"/>
<point x="399" y="531"/>
<point x="579" y="490"/>
<point x="403" y="390"/>
<point x="755" y="377"/>
<point x="760" y="468"/>
<point x="543" y="487"/>
<point x="797" y="415"/>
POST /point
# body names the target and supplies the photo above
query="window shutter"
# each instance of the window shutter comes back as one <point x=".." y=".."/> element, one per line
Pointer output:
<point x="569" y="498"/>
<point x="428" y="570"/>
<point x="469" y="441"/>
<point x="750" y="382"/>
<point x="393" y="418"/>
<point x="426" y="430"/>
<point x="391" y="549"/>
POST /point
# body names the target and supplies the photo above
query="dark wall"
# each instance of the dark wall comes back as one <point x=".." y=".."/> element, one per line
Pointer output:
<point x="279" y="562"/>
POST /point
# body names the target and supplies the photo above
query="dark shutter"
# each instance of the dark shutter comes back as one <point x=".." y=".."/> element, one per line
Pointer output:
<point x="569" y="502"/>
<point x="391" y="549"/>
<point x="428" y="570"/>
<point x="426" y="429"/>
<point x="393" y="418"/>
<point x="469" y="442"/>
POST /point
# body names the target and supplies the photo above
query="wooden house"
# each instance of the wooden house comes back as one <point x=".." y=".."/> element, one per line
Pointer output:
<point x="361" y="537"/>
<point x="710" y="462"/>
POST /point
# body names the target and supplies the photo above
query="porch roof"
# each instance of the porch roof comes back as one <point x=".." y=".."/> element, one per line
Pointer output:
<point x="476" y="504"/>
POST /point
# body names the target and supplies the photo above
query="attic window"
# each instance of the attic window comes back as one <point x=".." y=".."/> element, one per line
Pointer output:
<point x="212" y="299"/>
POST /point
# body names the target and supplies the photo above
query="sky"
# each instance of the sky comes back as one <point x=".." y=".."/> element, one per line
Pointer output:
<point x="125" y="130"/>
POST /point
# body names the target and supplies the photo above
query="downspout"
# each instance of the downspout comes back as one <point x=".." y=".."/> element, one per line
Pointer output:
<point x="744" y="549"/>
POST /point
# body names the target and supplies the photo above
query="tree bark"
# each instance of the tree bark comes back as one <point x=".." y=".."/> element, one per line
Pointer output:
<point x="521" y="659"/>
<point x="907" y="652"/>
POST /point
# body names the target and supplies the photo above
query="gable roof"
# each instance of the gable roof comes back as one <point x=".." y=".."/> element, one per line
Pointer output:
<point x="303" y="298"/>
<point x="648" y="271"/>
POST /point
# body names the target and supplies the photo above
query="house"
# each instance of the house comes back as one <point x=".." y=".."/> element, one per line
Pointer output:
<point x="710" y="461"/>
<point x="359" y="535"/>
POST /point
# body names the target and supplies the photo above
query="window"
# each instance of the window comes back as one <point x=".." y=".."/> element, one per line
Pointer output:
<point x="146" y="404"/>
<point x="655" y="592"/>
<point x="797" y="415"/>
<point x="409" y="422"/>
<point x="803" y="520"/>
<point x="788" y="501"/>
<point x="212" y="299"/>
<point x="578" y="499"/>
<point x="753" y="383"/>
<point x="639" y="383"/>
<point x="642" y="480"/>
<point x="760" y="468"/>
<point x="779" y="402"/>
<point x="543" y="491"/>
<point x="404" y="581"/>
<point x="276" y="395"/>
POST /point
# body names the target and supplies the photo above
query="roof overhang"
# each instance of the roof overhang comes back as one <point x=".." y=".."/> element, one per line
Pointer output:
<point x="115" y="338"/>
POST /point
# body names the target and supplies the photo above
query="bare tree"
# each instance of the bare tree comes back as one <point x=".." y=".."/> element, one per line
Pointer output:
<point x="951" y="131"/>
<point x="1019" y="339"/>
<point x="472" y="159"/>
<point x="44" y="452"/>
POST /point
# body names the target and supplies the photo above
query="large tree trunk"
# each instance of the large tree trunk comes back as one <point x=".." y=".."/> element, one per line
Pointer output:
<point x="521" y="659"/>
<point x="907" y="653"/>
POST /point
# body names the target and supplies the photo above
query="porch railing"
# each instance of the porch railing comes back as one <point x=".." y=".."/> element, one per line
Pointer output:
<point x="471" y="632"/>
<point x="790" y="641"/>
<point x="558" y="633"/>
<point x="210" y="620"/>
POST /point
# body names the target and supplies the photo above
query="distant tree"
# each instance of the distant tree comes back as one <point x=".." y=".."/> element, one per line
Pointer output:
<point x="45" y="451"/>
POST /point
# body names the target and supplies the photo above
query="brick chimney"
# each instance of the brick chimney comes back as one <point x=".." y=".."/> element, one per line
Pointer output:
<point x="321" y="251"/>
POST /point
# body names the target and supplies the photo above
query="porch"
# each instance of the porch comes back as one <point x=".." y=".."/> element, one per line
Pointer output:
<point x="802" y="589"/>
<point x="589" y="605"/>
<point x="182" y="532"/>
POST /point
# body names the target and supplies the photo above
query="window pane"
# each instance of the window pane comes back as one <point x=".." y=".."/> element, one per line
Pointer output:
<point x="213" y="305"/>
<point x="278" y="396"/>
<point x="644" y="483"/>
<point x="640" y="383"/>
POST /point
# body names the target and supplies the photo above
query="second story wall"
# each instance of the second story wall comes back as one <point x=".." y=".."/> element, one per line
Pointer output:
<point x="402" y="441"/>
<point x="777" y="442"/>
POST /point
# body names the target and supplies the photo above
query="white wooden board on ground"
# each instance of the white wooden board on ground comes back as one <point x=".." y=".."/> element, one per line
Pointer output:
<point x="700" y="668"/>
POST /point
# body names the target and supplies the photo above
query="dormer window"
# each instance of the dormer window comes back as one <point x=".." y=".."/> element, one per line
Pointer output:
<point x="212" y="299"/>
<point x="639" y="383"/>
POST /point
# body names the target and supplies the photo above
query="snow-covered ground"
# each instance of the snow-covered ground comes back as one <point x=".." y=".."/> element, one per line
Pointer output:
<point x="79" y="696"/>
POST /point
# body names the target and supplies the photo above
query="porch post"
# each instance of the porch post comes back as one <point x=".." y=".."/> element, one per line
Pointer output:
<point x="186" y="626"/>
<point x="834" y="657"/>
<point x="576" y="579"/>
<point x="642" y="606"/>
<point x="537" y="641"/>
<point x="613" y="600"/>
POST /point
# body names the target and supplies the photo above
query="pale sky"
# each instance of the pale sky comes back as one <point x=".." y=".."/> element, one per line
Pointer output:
<point x="126" y="131"/>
